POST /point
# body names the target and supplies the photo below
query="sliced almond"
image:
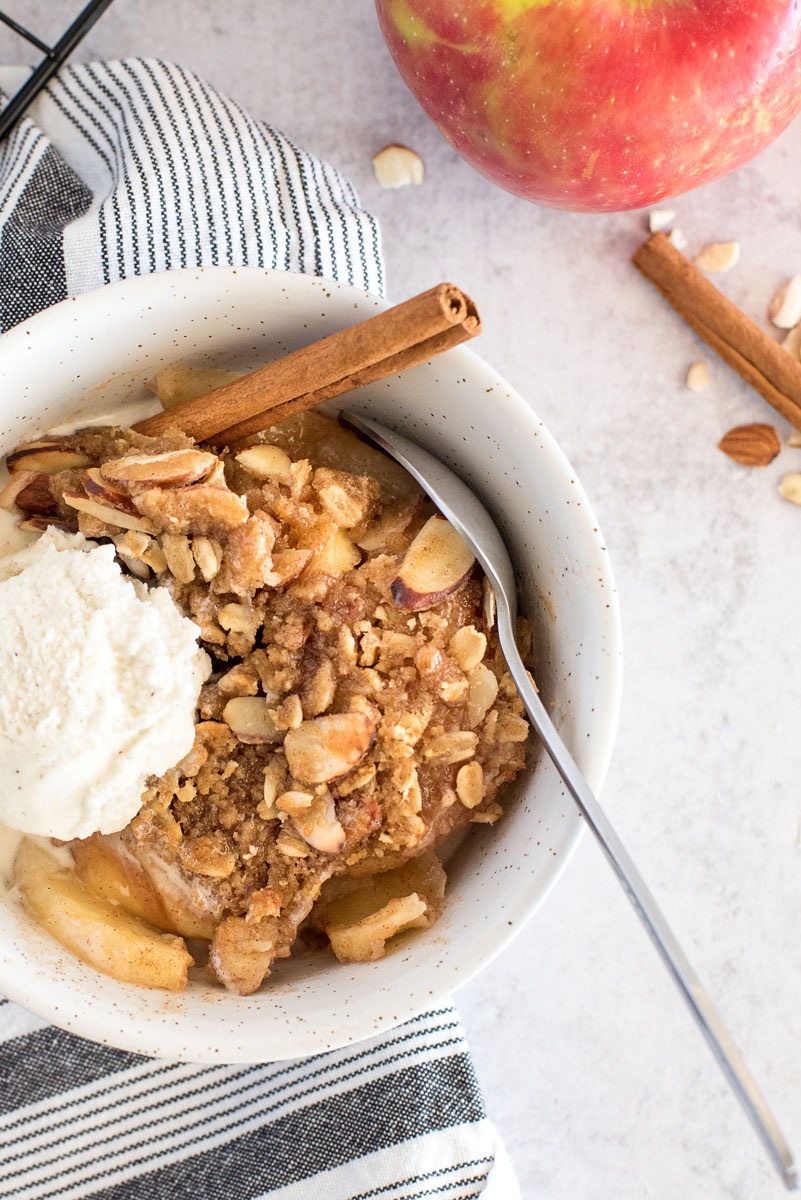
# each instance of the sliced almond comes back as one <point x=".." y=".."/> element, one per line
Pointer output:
<point x="452" y="747"/>
<point x="102" y="512"/>
<point x="17" y="483"/>
<point x="488" y="604"/>
<point x="435" y="565"/>
<point x="134" y="566"/>
<point x="794" y="439"/>
<point x="718" y="256"/>
<point x="660" y="218"/>
<point x="784" y="309"/>
<point x="325" y="748"/>
<point x="319" y="826"/>
<point x="792" y="342"/>
<point x="751" y="445"/>
<point x="173" y="468"/>
<point x="677" y="239"/>
<point x="333" y="552"/>
<point x="698" y="377"/>
<point x="49" y="457"/>
<point x="179" y="556"/>
<point x="155" y="558"/>
<point x="266" y="462"/>
<point x="293" y="801"/>
<point x="35" y="497"/>
<point x="100" y="489"/>
<point x="208" y="556"/>
<point x="470" y="784"/>
<point x="249" y="720"/>
<point x="482" y="694"/>
<point x="397" y="166"/>
<point x="790" y="488"/>
<point x="468" y="647"/>
<point x="274" y="776"/>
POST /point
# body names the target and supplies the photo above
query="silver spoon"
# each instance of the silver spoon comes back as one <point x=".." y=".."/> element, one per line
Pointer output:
<point x="455" y="501"/>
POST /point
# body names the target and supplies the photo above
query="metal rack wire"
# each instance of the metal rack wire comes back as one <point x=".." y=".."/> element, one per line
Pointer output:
<point x="54" y="56"/>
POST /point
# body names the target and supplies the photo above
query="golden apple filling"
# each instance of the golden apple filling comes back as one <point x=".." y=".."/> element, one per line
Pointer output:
<point x="359" y="711"/>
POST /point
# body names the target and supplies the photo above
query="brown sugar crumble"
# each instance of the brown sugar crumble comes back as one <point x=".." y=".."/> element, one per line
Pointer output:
<point x="343" y="734"/>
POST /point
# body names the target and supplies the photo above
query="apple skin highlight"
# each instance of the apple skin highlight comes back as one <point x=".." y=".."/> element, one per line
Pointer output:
<point x="601" y="105"/>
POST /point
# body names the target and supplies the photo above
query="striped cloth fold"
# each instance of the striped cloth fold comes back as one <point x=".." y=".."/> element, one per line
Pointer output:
<point x="125" y="168"/>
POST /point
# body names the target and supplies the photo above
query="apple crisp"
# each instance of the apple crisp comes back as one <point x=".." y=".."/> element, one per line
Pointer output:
<point x="359" y="711"/>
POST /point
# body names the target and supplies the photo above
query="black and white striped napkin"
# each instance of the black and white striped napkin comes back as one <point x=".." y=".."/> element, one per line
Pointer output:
<point x="125" y="168"/>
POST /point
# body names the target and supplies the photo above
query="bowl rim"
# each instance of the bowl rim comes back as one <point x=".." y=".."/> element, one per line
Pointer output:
<point x="149" y="290"/>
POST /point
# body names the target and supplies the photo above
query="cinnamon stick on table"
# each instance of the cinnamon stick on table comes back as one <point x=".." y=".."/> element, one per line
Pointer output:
<point x="400" y="337"/>
<point x="739" y="341"/>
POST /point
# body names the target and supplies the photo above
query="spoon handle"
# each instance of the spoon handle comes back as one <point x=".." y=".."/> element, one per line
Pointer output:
<point x="688" y="983"/>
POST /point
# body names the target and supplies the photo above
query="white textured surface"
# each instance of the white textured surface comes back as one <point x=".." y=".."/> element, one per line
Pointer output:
<point x="588" y="1061"/>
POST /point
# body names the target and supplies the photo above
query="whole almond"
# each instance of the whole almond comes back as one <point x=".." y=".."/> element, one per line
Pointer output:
<point x="751" y="445"/>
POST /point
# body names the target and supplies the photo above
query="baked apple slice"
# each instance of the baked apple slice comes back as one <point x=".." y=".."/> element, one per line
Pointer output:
<point x="438" y="562"/>
<point x="108" y="869"/>
<point x="97" y="932"/>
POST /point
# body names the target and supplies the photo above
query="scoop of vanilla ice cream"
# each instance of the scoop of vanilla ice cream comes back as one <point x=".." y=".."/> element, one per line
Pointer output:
<point x="99" y="678"/>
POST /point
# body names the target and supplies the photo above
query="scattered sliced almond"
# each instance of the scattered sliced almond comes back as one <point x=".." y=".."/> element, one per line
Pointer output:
<point x="249" y="720"/>
<point x="179" y="556"/>
<point x="790" y="488"/>
<point x="397" y="166"/>
<point x="698" y="377"/>
<point x="103" y="512"/>
<point x="784" y="309"/>
<point x="324" y="748"/>
<point x="266" y="462"/>
<point x="677" y="239"/>
<point x="660" y="218"/>
<point x="718" y="256"/>
<point x="794" y="439"/>
<point x="751" y="445"/>
<point x="470" y="784"/>
<point x="792" y="342"/>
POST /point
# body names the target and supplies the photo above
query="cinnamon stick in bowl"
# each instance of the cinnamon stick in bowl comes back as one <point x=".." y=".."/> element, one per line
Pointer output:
<point x="739" y="341"/>
<point x="401" y="337"/>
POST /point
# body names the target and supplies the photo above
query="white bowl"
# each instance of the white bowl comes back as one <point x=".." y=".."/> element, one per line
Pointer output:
<point x="85" y="356"/>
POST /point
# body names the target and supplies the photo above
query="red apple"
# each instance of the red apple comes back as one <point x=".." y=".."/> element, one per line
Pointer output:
<point x="599" y="105"/>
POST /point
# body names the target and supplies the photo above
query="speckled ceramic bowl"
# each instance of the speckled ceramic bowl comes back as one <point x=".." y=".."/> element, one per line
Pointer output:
<point x="88" y="355"/>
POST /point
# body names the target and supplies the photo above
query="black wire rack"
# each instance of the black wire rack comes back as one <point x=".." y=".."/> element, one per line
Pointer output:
<point x="54" y="56"/>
